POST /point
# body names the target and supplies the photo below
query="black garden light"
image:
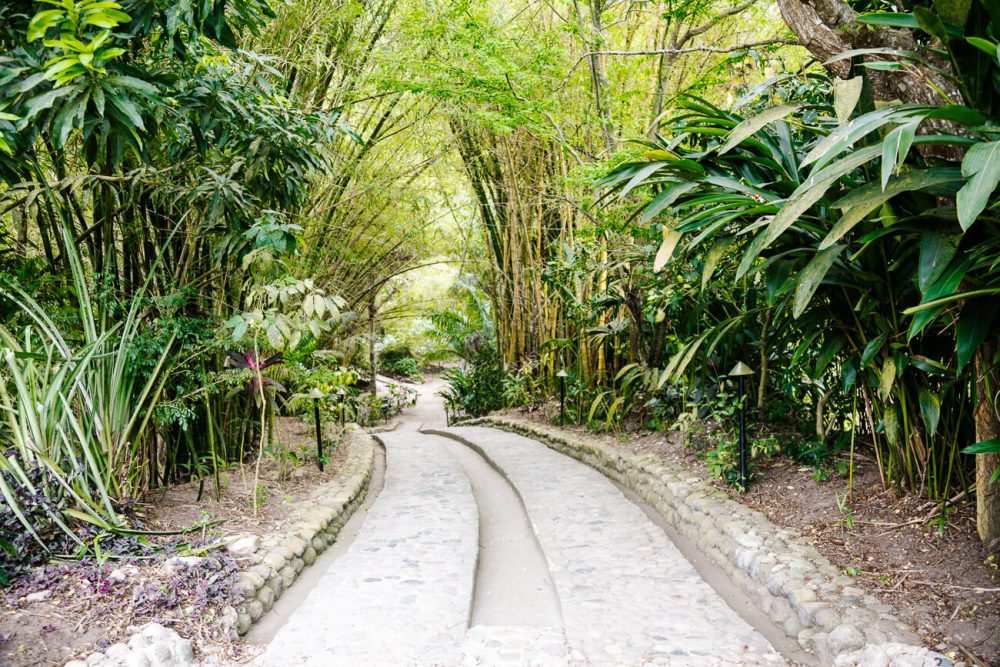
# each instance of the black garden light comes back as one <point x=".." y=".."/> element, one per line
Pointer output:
<point x="740" y="371"/>
<point x="315" y="395"/>
<point x="562" y="375"/>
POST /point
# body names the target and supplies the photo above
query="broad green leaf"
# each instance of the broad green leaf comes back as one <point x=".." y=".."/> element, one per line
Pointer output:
<point x="974" y="324"/>
<point x="826" y="354"/>
<point x="887" y="378"/>
<point x="849" y="374"/>
<point x="984" y="45"/>
<point x="42" y="21"/>
<point x="861" y="202"/>
<point x="129" y="109"/>
<point x="40" y="103"/>
<point x="274" y="337"/>
<point x="984" y="447"/>
<point x="670" y="239"/>
<point x="641" y="175"/>
<point x="752" y="125"/>
<point x="239" y="331"/>
<point x="712" y="258"/>
<point x="930" y="23"/>
<point x="890" y="425"/>
<point x="890" y="19"/>
<point x="811" y="276"/>
<point x="930" y="410"/>
<point x="665" y="198"/>
<point x="846" y="93"/>
<point x="942" y="287"/>
<point x="895" y="147"/>
<point x="982" y="166"/>
<point x="805" y="196"/>
<point x="953" y="12"/>
<point x="872" y="348"/>
<point x="937" y="248"/>
<point x="845" y="136"/>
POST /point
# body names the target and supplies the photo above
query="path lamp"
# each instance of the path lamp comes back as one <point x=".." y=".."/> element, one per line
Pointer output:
<point x="562" y="375"/>
<point x="315" y="395"/>
<point x="740" y="371"/>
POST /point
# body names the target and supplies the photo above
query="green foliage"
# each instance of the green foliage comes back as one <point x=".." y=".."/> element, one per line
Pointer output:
<point x="398" y="360"/>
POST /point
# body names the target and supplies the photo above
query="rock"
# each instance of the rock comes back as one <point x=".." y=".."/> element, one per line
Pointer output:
<point x="255" y="610"/>
<point x="244" y="546"/>
<point x="117" y="652"/>
<point x="184" y="652"/>
<point x="228" y="618"/>
<point x="135" y="659"/>
<point x="827" y="619"/>
<point x="38" y="596"/>
<point x="266" y="597"/>
<point x="275" y="559"/>
<point x="309" y="555"/>
<point x="845" y="638"/>
<point x="243" y="623"/>
<point x="123" y="573"/>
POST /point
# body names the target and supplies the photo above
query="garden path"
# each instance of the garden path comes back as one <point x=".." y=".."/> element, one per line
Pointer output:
<point x="487" y="548"/>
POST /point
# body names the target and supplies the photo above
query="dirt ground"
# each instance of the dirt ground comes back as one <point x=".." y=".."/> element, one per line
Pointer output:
<point x="67" y="610"/>
<point x="937" y="574"/>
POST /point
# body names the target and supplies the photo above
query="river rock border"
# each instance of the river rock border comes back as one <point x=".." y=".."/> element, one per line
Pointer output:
<point x="788" y="579"/>
<point x="269" y="565"/>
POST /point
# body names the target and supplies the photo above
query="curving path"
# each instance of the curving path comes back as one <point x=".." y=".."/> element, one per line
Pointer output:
<point x="487" y="548"/>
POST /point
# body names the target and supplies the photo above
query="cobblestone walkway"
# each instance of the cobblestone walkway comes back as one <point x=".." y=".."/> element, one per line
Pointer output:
<point x="404" y="594"/>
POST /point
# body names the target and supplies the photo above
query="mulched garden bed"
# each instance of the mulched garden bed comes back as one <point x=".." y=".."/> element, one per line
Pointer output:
<point x="937" y="574"/>
<point x="63" y="611"/>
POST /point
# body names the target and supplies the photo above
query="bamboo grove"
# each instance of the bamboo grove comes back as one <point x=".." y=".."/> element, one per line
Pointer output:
<point x="209" y="208"/>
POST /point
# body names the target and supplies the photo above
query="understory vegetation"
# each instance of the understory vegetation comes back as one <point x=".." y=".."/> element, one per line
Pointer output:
<point x="215" y="213"/>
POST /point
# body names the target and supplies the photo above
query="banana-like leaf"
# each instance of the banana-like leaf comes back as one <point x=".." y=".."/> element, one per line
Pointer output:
<point x="811" y="276"/>
<point x="930" y="410"/>
<point x="981" y="166"/>
<point x="846" y="94"/>
<point x="754" y="124"/>
<point x="860" y="203"/>
<point x="712" y="258"/>
<point x="937" y="248"/>
<point x="974" y="324"/>
<point x="895" y="147"/>
<point x="670" y="239"/>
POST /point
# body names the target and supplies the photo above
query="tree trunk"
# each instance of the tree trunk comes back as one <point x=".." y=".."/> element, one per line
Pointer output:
<point x="987" y="428"/>
<point x="372" y="353"/>
<point x="829" y="27"/>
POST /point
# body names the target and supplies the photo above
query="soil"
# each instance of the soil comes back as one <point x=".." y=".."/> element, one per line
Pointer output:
<point x="89" y="605"/>
<point x="935" y="572"/>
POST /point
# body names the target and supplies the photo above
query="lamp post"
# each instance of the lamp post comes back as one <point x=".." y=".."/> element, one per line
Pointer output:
<point x="342" y="397"/>
<point x="740" y="371"/>
<point x="562" y="375"/>
<point x="315" y="395"/>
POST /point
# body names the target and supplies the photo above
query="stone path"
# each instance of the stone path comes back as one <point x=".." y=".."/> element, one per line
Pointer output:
<point x="571" y="572"/>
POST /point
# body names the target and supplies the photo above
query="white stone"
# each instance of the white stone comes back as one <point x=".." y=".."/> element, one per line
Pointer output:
<point x="38" y="596"/>
<point x="244" y="546"/>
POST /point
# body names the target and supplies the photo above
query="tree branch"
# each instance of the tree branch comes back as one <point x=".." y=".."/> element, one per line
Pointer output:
<point x="691" y="49"/>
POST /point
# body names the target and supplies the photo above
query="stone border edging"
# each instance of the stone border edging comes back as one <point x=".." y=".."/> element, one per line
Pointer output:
<point x="272" y="563"/>
<point x="278" y="560"/>
<point x="787" y="578"/>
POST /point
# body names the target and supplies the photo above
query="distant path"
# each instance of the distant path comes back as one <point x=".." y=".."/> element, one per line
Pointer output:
<point x="507" y="553"/>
